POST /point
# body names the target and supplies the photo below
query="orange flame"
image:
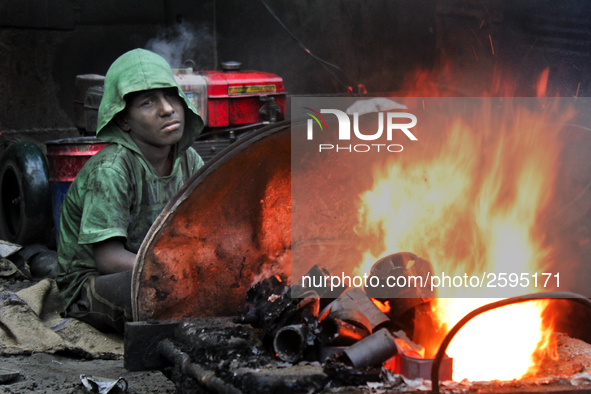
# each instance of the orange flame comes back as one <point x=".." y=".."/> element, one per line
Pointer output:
<point x="383" y="307"/>
<point x="542" y="84"/>
<point x="443" y="82"/>
<point x="471" y="205"/>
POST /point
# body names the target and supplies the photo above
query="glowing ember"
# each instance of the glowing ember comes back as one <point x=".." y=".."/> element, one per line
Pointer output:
<point x="469" y="205"/>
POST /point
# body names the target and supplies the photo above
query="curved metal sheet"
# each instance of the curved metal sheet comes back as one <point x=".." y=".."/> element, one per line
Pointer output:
<point x="230" y="223"/>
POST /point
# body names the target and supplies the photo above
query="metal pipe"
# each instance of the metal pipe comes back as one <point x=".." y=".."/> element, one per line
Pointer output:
<point x="337" y="332"/>
<point x="204" y="376"/>
<point x="494" y="305"/>
<point x="373" y="350"/>
<point x="290" y="341"/>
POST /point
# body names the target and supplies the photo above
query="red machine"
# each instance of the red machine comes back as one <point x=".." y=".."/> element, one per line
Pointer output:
<point x="232" y="97"/>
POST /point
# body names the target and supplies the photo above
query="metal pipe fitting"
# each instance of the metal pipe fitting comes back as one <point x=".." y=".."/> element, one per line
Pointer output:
<point x="373" y="350"/>
<point x="290" y="341"/>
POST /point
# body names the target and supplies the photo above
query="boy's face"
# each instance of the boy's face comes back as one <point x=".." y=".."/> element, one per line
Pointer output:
<point x="155" y="117"/>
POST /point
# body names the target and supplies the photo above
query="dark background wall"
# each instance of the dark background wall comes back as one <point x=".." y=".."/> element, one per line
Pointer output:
<point x="44" y="44"/>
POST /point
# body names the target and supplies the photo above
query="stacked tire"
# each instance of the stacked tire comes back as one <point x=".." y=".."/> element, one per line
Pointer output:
<point x="25" y="195"/>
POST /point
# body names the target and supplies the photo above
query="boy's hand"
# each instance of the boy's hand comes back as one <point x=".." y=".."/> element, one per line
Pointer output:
<point x="112" y="257"/>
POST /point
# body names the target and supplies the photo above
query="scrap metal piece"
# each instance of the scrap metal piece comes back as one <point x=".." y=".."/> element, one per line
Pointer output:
<point x="414" y="368"/>
<point x="311" y="303"/>
<point x="404" y="343"/>
<point x="351" y="316"/>
<point x="373" y="350"/>
<point x="96" y="384"/>
<point x="355" y="299"/>
<point x="337" y="332"/>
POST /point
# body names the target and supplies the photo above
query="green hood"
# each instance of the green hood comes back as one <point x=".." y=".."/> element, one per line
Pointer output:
<point x="134" y="71"/>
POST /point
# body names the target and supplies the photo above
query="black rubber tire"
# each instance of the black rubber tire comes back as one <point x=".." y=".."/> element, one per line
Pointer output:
<point x="25" y="195"/>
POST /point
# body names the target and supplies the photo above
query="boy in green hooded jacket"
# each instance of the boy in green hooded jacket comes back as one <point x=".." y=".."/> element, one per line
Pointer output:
<point x="150" y="125"/>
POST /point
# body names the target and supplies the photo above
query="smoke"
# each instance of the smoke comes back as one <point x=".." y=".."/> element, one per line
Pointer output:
<point x="183" y="42"/>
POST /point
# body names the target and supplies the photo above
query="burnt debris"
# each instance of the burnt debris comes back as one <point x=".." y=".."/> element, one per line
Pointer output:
<point x="293" y="339"/>
<point x="349" y="333"/>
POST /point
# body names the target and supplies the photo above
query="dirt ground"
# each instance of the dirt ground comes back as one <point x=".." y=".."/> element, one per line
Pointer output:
<point x="52" y="373"/>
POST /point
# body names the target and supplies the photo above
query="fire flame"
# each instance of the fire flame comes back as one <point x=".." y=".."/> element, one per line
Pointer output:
<point x="383" y="307"/>
<point x="472" y="205"/>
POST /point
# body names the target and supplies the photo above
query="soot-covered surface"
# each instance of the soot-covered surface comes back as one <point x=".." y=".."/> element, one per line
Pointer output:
<point x="235" y="353"/>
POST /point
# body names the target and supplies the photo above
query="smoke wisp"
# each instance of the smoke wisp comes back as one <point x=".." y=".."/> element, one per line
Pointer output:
<point x="183" y="42"/>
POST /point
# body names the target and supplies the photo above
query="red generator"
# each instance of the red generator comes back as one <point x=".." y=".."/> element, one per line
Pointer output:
<point x="231" y="102"/>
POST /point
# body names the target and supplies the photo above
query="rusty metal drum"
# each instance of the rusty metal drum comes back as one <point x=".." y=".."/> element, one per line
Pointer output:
<point x="228" y="225"/>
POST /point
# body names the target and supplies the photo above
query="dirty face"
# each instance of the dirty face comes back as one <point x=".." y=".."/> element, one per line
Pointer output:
<point x="154" y="117"/>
